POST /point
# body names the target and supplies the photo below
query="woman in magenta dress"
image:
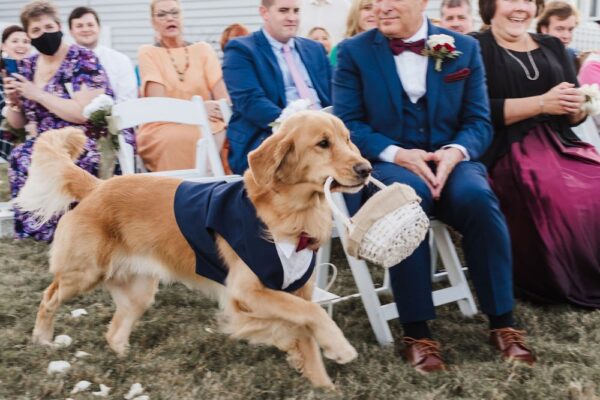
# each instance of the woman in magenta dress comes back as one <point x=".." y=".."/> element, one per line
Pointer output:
<point x="50" y="92"/>
<point x="547" y="180"/>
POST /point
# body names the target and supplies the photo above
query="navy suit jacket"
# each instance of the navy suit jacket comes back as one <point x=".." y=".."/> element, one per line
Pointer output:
<point x="255" y="84"/>
<point x="368" y="96"/>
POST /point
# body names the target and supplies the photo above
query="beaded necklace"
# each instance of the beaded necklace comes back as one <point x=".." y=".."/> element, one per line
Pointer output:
<point x="180" y="74"/>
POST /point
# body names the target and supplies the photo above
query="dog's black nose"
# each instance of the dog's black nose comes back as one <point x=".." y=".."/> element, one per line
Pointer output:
<point x="363" y="170"/>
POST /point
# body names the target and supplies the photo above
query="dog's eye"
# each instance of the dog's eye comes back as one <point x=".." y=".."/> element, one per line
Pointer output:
<point x="323" y="144"/>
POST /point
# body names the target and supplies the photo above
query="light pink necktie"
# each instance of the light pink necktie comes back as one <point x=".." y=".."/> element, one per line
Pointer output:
<point x="299" y="82"/>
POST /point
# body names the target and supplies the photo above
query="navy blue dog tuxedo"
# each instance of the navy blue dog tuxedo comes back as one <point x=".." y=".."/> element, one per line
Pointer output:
<point x="203" y="210"/>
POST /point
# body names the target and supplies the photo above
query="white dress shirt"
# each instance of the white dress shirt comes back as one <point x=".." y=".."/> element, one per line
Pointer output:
<point x="412" y="70"/>
<point x="291" y="92"/>
<point x="120" y="71"/>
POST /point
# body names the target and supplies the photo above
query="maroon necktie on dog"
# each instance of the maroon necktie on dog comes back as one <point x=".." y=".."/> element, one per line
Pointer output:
<point x="399" y="46"/>
<point x="304" y="241"/>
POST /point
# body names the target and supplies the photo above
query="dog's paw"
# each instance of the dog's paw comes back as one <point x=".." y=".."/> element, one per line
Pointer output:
<point x="42" y="342"/>
<point x="342" y="353"/>
<point x="119" y="347"/>
<point x="42" y="339"/>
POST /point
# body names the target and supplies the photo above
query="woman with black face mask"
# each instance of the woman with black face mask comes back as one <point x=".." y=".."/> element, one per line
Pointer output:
<point x="50" y="91"/>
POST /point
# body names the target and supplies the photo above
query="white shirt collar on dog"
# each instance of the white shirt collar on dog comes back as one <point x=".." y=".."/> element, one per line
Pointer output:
<point x="295" y="264"/>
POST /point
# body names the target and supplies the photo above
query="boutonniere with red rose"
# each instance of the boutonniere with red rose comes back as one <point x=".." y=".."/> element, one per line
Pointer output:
<point x="440" y="47"/>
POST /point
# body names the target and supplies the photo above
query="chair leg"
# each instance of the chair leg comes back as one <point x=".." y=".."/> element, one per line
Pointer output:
<point x="453" y="267"/>
<point x="365" y="285"/>
<point x="433" y="250"/>
<point x="323" y="256"/>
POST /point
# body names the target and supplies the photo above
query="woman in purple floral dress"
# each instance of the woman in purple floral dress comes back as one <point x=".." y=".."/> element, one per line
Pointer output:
<point x="50" y="92"/>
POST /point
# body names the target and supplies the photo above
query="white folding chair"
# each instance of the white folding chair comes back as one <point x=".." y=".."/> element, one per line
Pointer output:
<point x="134" y="112"/>
<point x="128" y="114"/>
<point x="6" y="220"/>
<point x="588" y="132"/>
<point x="226" y="111"/>
<point x="379" y="314"/>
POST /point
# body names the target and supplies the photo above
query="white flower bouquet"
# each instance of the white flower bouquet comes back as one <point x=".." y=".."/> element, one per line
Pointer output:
<point x="99" y="108"/>
<point x="440" y="47"/>
<point x="107" y="139"/>
<point x="292" y="108"/>
<point x="591" y="106"/>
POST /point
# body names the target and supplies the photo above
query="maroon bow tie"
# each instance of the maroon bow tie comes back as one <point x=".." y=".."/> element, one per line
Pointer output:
<point x="304" y="241"/>
<point x="399" y="46"/>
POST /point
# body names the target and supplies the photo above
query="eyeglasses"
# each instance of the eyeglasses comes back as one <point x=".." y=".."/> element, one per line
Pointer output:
<point x="162" y="15"/>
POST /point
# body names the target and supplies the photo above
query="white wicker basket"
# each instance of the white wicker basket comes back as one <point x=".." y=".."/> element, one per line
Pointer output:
<point x="387" y="228"/>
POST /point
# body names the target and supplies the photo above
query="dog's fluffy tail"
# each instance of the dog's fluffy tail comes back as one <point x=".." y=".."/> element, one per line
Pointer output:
<point x="54" y="181"/>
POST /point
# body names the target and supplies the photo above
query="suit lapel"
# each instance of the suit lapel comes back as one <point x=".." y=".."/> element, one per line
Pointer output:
<point x="265" y="48"/>
<point x="434" y="80"/>
<point x="309" y="61"/>
<point x="385" y="59"/>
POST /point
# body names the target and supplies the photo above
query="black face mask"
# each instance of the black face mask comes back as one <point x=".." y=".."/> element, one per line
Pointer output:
<point x="48" y="43"/>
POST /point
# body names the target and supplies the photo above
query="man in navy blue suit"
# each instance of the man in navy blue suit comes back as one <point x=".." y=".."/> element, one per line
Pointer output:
<point x="267" y="70"/>
<point x="425" y="125"/>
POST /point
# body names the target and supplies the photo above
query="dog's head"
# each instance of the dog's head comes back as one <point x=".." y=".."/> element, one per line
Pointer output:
<point x="308" y="147"/>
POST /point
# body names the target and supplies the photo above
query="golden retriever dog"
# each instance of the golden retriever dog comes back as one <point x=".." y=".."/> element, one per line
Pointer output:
<point x="123" y="234"/>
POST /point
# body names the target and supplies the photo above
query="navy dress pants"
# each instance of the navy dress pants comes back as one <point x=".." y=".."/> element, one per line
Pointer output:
<point x="468" y="205"/>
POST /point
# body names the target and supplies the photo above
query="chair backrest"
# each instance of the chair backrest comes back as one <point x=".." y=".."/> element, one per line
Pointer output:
<point x="134" y="112"/>
<point x="131" y="113"/>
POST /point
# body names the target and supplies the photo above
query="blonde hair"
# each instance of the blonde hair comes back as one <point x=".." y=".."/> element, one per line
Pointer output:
<point x="318" y="28"/>
<point x="36" y="9"/>
<point x="352" y="27"/>
<point x="154" y="2"/>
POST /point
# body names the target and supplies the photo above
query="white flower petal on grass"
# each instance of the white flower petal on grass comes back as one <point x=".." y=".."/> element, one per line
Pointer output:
<point x="82" y="354"/>
<point x="135" y="390"/>
<point x="58" y="367"/>
<point x="101" y="102"/>
<point x="81" y="386"/>
<point x="78" y="313"/>
<point x="62" y="341"/>
<point x="143" y="397"/>
<point x="104" y="390"/>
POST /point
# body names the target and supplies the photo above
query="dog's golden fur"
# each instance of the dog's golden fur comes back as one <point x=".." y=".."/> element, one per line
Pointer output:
<point x="123" y="233"/>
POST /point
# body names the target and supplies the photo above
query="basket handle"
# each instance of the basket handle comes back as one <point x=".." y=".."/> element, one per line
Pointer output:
<point x="334" y="207"/>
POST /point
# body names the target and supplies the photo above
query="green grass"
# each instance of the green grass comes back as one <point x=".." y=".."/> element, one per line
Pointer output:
<point x="177" y="352"/>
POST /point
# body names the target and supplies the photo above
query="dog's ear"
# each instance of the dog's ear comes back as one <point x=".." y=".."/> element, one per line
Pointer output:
<point x="269" y="156"/>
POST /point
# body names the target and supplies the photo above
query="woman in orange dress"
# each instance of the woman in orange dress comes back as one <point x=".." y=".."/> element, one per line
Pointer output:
<point x="175" y="68"/>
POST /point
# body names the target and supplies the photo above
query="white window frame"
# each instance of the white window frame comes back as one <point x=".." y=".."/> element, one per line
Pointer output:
<point x="589" y="8"/>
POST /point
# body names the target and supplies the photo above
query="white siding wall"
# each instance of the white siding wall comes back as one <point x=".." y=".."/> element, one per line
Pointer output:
<point x="129" y="20"/>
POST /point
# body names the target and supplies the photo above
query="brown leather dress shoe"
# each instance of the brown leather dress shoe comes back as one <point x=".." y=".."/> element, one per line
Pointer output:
<point x="511" y="343"/>
<point x="423" y="355"/>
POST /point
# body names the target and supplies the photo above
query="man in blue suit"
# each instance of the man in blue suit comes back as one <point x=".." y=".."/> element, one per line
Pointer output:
<point x="267" y="70"/>
<point x="425" y="125"/>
